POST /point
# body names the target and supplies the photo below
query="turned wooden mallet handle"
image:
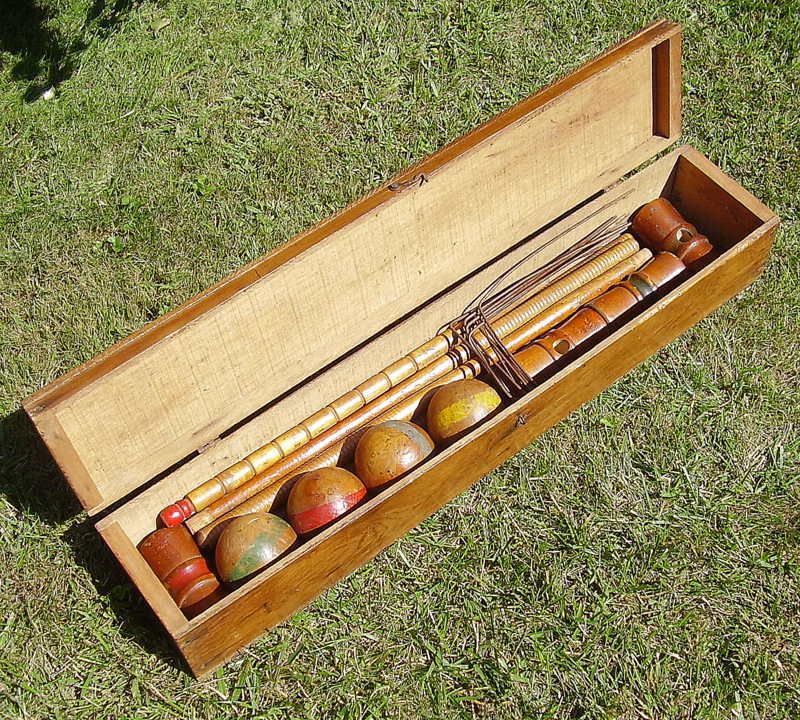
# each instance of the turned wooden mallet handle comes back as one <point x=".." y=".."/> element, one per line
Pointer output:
<point x="658" y="224"/>
<point x="260" y="460"/>
<point x="341" y="453"/>
<point x="599" y="313"/>
<point x="267" y="486"/>
<point x="267" y="455"/>
<point x="338" y="432"/>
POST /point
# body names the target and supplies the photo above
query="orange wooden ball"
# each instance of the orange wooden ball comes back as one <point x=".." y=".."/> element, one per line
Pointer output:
<point x="459" y="406"/>
<point x="320" y="496"/>
<point x="389" y="450"/>
<point x="251" y="542"/>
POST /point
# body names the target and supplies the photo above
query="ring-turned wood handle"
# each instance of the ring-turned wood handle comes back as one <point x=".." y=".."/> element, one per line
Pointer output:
<point x="262" y="460"/>
<point x="599" y="313"/>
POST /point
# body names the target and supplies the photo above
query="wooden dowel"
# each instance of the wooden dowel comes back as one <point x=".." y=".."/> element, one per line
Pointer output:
<point x="273" y="452"/>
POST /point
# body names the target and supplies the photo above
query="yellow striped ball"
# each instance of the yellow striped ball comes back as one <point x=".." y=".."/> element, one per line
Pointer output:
<point x="457" y="407"/>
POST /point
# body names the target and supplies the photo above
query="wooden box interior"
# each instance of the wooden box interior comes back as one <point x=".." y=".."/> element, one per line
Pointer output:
<point x="736" y="222"/>
<point x="253" y="356"/>
<point x="184" y="381"/>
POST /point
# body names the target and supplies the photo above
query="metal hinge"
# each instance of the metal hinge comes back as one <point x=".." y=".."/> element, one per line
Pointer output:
<point x="419" y="179"/>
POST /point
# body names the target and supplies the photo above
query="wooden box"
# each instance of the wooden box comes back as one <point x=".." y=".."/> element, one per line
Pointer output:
<point x="201" y="387"/>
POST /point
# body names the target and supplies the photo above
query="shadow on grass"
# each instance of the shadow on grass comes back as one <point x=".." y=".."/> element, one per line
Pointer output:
<point x="44" y="57"/>
<point x="33" y="484"/>
<point x="29" y="477"/>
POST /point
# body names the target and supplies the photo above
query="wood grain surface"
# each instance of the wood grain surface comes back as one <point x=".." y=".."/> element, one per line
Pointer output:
<point x="158" y="396"/>
<point x="256" y="346"/>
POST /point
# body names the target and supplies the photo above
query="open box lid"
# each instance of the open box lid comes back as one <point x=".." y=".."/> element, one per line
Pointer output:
<point x="153" y="399"/>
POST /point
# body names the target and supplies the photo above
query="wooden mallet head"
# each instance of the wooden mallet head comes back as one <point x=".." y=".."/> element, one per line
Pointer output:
<point x="660" y="227"/>
<point x="175" y="558"/>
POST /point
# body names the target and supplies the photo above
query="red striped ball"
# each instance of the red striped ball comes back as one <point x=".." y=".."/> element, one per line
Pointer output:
<point x="320" y="496"/>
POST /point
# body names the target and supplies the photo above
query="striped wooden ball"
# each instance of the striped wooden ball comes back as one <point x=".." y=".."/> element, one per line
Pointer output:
<point x="457" y="407"/>
<point x="390" y="449"/>
<point x="251" y="542"/>
<point x="320" y="496"/>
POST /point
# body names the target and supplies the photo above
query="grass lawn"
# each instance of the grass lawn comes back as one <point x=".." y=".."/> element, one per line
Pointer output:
<point x="641" y="560"/>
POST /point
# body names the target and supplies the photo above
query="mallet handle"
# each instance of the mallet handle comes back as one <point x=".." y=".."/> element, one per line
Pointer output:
<point x="267" y="485"/>
<point x="265" y="457"/>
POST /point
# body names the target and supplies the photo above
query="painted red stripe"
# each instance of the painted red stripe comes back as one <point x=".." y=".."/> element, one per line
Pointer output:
<point x="185" y="573"/>
<point x="316" y="517"/>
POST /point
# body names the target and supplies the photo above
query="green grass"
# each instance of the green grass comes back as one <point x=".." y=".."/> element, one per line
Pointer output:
<point x="642" y="560"/>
